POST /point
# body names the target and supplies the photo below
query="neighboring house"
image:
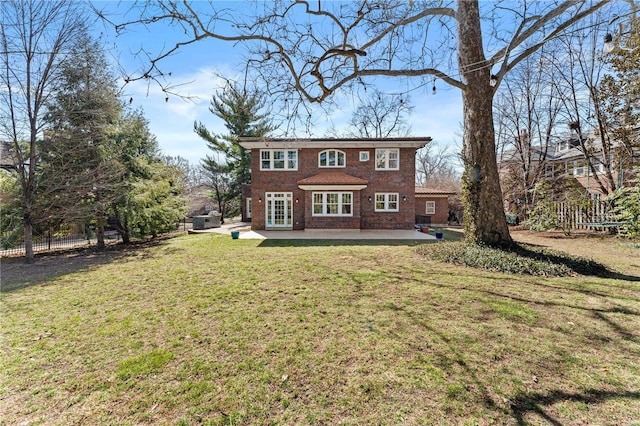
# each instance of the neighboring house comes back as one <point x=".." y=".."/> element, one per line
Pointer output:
<point x="432" y="206"/>
<point x="301" y="184"/>
<point x="7" y="161"/>
<point x="558" y="163"/>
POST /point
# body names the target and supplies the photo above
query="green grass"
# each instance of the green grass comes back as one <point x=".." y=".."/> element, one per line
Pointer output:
<point x="203" y="329"/>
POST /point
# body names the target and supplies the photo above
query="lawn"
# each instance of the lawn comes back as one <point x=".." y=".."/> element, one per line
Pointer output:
<point x="203" y="329"/>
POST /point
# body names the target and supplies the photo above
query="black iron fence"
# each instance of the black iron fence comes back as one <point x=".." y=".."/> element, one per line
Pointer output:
<point x="50" y="241"/>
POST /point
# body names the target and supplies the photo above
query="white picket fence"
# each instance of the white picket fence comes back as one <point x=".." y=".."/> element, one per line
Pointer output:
<point x="598" y="216"/>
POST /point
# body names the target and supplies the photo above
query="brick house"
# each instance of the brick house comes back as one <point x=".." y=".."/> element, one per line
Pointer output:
<point x="301" y="184"/>
<point x="564" y="163"/>
<point x="432" y="206"/>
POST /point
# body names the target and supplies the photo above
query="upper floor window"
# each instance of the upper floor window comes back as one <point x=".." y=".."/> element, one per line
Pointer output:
<point x="278" y="159"/>
<point x="386" y="202"/>
<point x="388" y="159"/>
<point x="331" y="158"/>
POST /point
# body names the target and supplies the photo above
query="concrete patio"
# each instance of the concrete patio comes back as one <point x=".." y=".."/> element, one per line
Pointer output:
<point x="245" y="233"/>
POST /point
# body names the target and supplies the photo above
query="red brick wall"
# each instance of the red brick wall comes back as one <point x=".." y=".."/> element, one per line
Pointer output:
<point x="398" y="181"/>
<point x="441" y="217"/>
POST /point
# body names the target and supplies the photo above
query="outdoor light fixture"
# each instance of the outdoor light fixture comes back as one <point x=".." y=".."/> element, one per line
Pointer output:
<point x="494" y="80"/>
<point x="404" y="198"/>
<point x="260" y="199"/>
<point x="609" y="45"/>
<point x="370" y="198"/>
<point x="297" y="200"/>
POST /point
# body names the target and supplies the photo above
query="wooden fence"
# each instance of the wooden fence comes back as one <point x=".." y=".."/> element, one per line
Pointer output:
<point x="597" y="216"/>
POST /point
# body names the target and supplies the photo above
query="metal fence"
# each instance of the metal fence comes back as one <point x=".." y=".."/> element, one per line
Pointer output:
<point x="49" y="242"/>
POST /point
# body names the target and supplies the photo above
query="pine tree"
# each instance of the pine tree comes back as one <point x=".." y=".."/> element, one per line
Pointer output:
<point x="240" y="110"/>
<point x="79" y="174"/>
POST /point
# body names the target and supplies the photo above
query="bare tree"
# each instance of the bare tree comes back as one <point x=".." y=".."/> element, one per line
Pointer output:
<point x="581" y="72"/>
<point x="381" y="115"/>
<point x="435" y="167"/>
<point x="34" y="37"/>
<point x="309" y="51"/>
<point x="526" y="113"/>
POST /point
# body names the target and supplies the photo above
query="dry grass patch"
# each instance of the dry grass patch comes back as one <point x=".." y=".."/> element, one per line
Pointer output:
<point x="203" y="329"/>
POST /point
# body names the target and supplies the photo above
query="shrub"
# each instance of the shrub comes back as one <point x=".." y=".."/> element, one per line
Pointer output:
<point x="627" y="207"/>
<point x="543" y="216"/>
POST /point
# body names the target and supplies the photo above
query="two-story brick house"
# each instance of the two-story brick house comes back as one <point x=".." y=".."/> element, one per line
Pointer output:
<point x="301" y="184"/>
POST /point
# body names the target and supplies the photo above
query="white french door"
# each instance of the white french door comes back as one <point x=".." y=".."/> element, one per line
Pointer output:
<point x="279" y="210"/>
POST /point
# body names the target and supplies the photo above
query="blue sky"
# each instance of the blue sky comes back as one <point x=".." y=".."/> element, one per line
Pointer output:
<point x="195" y="67"/>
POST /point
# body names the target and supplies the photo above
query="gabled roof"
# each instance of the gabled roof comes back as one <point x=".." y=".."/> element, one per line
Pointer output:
<point x="6" y="158"/>
<point x="294" y="143"/>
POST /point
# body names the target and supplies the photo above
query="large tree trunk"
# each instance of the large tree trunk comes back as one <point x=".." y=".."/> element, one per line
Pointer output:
<point x="100" y="220"/>
<point x="484" y="218"/>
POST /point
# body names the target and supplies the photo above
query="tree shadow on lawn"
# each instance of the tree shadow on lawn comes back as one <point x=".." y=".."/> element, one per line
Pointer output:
<point x="522" y="403"/>
<point x="578" y="265"/>
<point x="536" y="402"/>
<point x="16" y="274"/>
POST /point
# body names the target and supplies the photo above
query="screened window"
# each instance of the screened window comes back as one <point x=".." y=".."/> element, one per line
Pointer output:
<point x="332" y="204"/>
<point x="331" y="158"/>
<point x="278" y="159"/>
<point x="387" y="159"/>
<point x="386" y="202"/>
<point x="430" y="207"/>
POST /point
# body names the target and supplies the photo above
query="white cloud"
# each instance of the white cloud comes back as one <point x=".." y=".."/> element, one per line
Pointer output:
<point x="171" y="120"/>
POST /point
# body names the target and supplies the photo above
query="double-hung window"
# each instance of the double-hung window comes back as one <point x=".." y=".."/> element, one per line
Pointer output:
<point x="388" y="159"/>
<point x="332" y="203"/>
<point x="278" y="159"/>
<point x="331" y="158"/>
<point x="430" y="207"/>
<point x="386" y="202"/>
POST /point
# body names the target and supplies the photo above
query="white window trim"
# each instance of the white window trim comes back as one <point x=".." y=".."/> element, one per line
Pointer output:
<point x="549" y="170"/>
<point x="324" y="204"/>
<point x="337" y="153"/>
<point x="386" y="158"/>
<point x="386" y="201"/>
<point x="272" y="160"/>
<point x="364" y="155"/>
<point x="430" y="207"/>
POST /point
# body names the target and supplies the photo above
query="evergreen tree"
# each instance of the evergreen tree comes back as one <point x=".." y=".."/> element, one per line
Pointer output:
<point x="150" y="198"/>
<point x="619" y="97"/>
<point x="240" y="110"/>
<point x="78" y="169"/>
